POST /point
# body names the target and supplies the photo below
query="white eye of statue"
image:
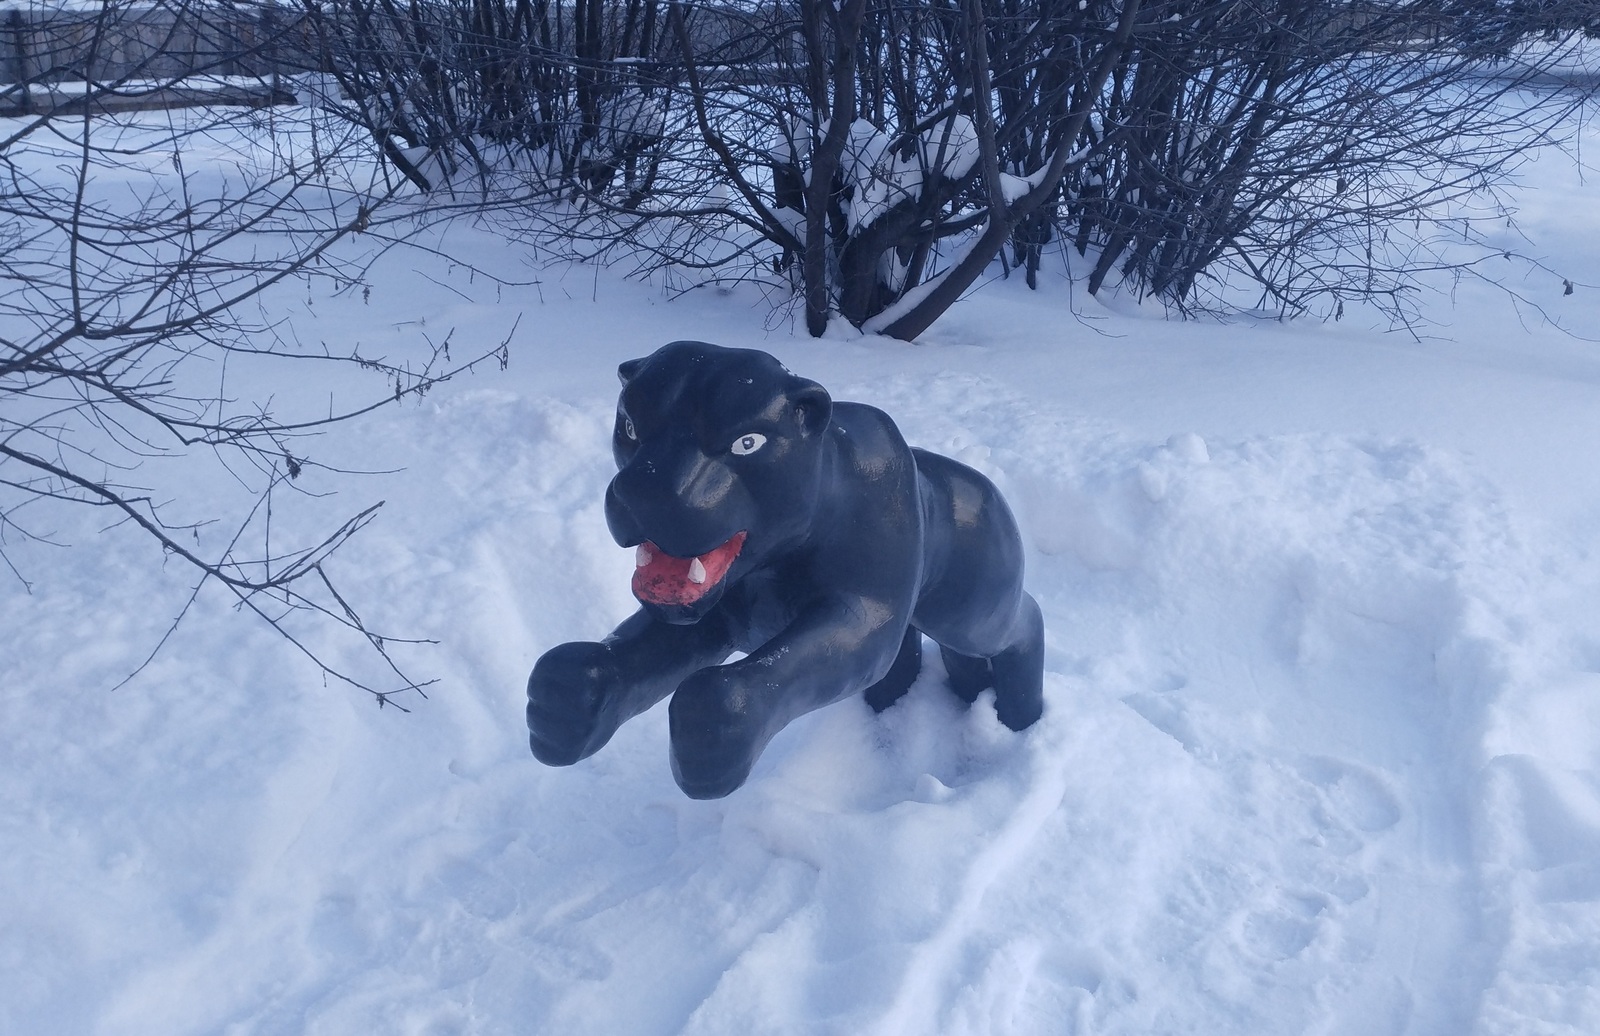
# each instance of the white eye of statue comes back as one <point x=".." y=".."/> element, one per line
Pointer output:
<point x="627" y="428"/>
<point x="750" y="442"/>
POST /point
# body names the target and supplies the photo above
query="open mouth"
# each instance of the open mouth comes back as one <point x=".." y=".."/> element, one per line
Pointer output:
<point x="660" y="578"/>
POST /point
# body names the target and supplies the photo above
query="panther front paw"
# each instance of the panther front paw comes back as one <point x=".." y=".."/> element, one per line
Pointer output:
<point x="718" y="729"/>
<point x="571" y="703"/>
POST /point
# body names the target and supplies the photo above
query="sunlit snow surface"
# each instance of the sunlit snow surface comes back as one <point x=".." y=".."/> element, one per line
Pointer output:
<point x="1321" y="752"/>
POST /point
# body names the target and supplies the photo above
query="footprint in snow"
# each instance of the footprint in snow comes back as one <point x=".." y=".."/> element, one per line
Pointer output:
<point x="1351" y="795"/>
<point x="1286" y="927"/>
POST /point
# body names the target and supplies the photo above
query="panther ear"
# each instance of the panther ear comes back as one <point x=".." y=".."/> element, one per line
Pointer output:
<point x="628" y="368"/>
<point x="813" y="407"/>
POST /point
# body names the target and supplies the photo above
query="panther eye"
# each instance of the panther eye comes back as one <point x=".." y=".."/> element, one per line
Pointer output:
<point x="748" y="443"/>
<point x="628" y="429"/>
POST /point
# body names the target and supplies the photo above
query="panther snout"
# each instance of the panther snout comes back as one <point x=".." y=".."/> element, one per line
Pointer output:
<point x="660" y="578"/>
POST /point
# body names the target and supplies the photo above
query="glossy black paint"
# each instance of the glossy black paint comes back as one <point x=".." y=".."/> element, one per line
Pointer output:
<point x="855" y="545"/>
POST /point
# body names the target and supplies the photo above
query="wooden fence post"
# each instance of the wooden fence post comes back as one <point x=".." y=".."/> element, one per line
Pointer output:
<point x="269" y="42"/>
<point x="19" y="44"/>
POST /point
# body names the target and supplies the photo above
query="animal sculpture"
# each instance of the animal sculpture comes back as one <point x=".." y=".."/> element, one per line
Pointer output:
<point x="768" y="518"/>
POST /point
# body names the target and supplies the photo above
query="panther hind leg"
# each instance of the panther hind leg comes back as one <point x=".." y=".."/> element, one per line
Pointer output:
<point x="969" y="675"/>
<point x="1019" y="670"/>
<point x="1016" y="672"/>
<point x="898" y="680"/>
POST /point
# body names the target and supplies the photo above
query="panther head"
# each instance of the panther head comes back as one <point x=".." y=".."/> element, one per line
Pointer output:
<point x="719" y="456"/>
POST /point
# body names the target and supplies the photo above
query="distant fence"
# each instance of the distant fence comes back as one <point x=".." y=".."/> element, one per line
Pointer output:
<point x="155" y="54"/>
<point x="149" y="56"/>
<point x="172" y="39"/>
<point x="113" y="44"/>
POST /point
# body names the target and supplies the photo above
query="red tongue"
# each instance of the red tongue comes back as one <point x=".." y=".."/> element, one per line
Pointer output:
<point x="664" y="579"/>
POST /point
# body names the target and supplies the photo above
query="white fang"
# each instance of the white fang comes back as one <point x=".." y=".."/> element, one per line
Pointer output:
<point x="697" y="571"/>
<point x="642" y="556"/>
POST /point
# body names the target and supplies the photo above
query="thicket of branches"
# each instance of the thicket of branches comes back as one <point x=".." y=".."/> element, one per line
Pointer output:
<point x="883" y="155"/>
<point x="133" y="247"/>
<point x="1298" y="150"/>
<point x="874" y="156"/>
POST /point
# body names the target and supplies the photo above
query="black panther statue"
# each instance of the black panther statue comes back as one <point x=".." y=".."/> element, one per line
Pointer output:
<point x="770" y="519"/>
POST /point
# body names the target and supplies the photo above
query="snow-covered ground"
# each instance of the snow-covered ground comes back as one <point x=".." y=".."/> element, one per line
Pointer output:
<point x="1321" y="751"/>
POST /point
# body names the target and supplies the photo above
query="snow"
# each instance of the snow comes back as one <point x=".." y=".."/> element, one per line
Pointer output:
<point x="879" y="178"/>
<point x="951" y="147"/>
<point x="1321" y="750"/>
<point x="1014" y="187"/>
